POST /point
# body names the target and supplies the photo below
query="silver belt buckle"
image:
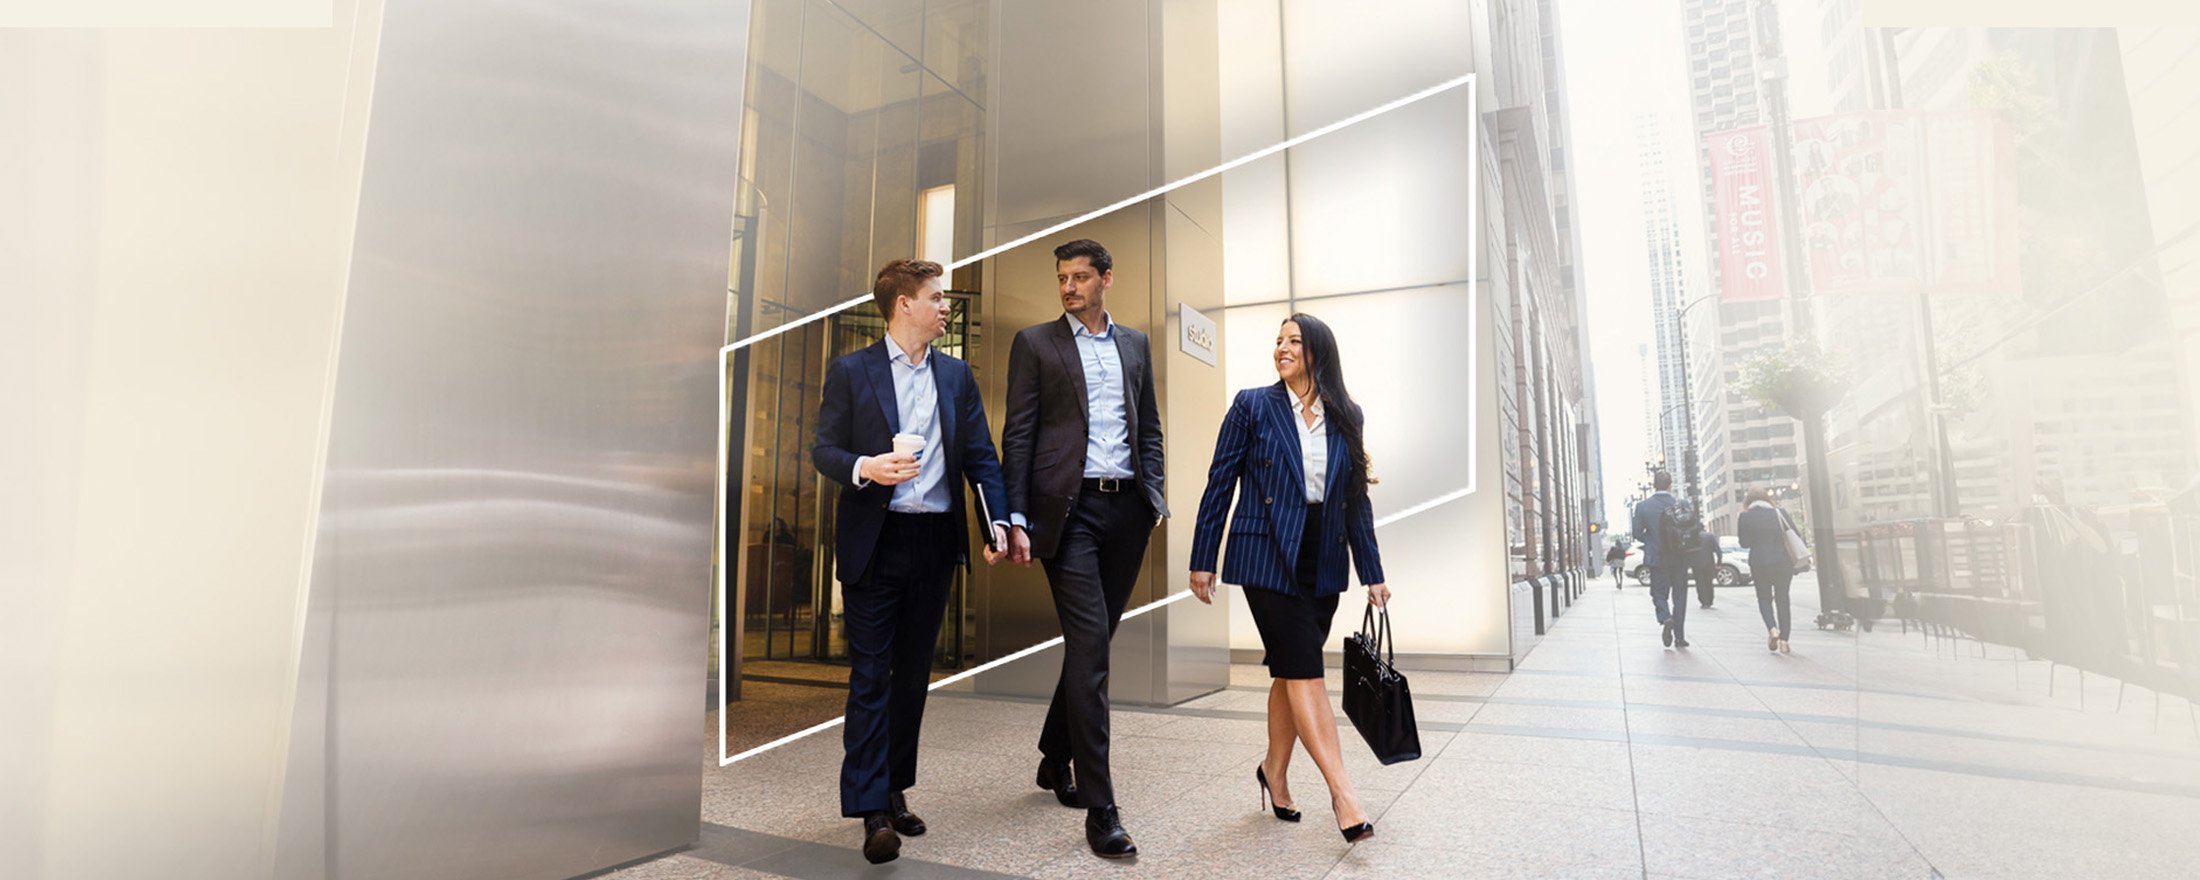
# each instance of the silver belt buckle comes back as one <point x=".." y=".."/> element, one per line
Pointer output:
<point x="1111" y="484"/>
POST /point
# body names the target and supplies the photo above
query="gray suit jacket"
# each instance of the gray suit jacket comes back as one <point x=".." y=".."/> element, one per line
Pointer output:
<point x="1043" y="436"/>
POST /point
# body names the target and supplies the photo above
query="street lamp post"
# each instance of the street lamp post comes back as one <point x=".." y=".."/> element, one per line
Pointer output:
<point x="1689" y="463"/>
<point x="1772" y="76"/>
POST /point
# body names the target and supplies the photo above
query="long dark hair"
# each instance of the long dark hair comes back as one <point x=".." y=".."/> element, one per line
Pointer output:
<point x="1318" y="352"/>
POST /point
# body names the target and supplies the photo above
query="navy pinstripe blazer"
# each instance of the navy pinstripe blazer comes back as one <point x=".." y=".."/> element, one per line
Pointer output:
<point x="1259" y="447"/>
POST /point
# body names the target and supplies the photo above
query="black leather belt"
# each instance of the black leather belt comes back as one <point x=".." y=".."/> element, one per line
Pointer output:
<point x="1107" y="484"/>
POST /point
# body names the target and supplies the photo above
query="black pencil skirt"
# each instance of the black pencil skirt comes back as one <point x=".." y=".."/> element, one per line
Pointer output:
<point x="1294" y="626"/>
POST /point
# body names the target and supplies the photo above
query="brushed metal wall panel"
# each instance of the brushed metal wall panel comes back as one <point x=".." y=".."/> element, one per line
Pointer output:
<point x="1067" y="144"/>
<point x="516" y="527"/>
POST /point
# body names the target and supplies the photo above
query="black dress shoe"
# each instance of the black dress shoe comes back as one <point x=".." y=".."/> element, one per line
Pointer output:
<point x="1358" y="833"/>
<point x="897" y="814"/>
<point x="880" y="843"/>
<point x="1665" y="634"/>
<point x="1679" y="642"/>
<point x="1054" y="776"/>
<point x="1104" y="831"/>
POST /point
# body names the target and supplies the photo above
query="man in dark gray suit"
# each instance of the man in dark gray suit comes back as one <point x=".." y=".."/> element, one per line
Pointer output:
<point x="1666" y="584"/>
<point x="1081" y="453"/>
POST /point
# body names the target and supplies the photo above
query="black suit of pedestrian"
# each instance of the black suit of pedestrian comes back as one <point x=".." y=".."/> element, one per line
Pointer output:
<point x="1705" y="567"/>
<point x="1092" y="542"/>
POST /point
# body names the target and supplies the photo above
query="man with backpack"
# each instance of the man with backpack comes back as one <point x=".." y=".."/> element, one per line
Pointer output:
<point x="1666" y="552"/>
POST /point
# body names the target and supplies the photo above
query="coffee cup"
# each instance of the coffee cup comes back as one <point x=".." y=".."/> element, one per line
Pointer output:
<point x="908" y="443"/>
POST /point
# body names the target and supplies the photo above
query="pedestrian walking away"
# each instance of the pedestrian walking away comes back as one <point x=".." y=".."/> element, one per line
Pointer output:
<point x="1703" y="560"/>
<point x="1664" y="553"/>
<point x="1763" y="530"/>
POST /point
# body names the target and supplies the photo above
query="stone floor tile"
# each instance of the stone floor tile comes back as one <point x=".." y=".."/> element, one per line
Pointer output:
<point x="1469" y="781"/>
<point x="1537" y="750"/>
<point x="1378" y="857"/>
<point x="1650" y="723"/>
<point x="1710" y="848"/>
<point x="1551" y="717"/>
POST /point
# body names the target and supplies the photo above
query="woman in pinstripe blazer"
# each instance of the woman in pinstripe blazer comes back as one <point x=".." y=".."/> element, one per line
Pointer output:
<point x="1296" y="447"/>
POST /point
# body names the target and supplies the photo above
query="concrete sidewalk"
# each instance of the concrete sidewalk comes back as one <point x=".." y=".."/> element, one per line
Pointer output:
<point x="1604" y="755"/>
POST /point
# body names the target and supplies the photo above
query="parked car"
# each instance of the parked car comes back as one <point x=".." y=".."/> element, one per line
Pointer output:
<point x="1733" y="564"/>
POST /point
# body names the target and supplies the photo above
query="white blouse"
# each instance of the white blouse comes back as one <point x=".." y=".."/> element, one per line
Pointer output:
<point x="1313" y="449"/>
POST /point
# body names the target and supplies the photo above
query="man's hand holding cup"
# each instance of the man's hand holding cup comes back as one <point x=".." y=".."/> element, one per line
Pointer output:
<point x="899" y="466"/>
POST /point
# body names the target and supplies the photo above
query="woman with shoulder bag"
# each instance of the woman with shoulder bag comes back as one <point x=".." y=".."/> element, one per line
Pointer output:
<point x="1765" y="531"/>
<point x="1296" y="448"/>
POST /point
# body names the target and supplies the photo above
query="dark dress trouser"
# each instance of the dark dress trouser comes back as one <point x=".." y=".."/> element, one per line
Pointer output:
<point x="1772" y="595"/>
<point x="1091" y="574"/>
<point x="1669" y="583"/>
<point x="891" y="616"/>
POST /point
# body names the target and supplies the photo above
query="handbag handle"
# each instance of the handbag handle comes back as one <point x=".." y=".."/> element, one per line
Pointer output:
<point x="1377" y="628"/>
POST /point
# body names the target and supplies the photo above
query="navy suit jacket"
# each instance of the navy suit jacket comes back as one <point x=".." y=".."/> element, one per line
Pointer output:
<point x="1259" y="447"/>
<point x="1763" y="532"/>
<point x="1648" y="522"/>
<point x="860" y="417"/>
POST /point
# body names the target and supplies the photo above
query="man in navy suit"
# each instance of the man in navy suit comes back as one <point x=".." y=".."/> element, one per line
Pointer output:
<point x="899" y="532"/>
<point x="1666" y="585"/>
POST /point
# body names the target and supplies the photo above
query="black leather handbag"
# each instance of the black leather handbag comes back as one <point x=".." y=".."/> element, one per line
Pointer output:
<point x="1375" y="694"/>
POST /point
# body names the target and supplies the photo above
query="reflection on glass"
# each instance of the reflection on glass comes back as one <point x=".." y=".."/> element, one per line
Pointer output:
<point x="791" y="593"/>
<point x="936" y="226"/>
<point x="845" y="130"/>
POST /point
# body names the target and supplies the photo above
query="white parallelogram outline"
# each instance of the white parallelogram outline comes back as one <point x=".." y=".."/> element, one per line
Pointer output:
<point x="1164" y="189"/>
<point x="1473" y="410"/>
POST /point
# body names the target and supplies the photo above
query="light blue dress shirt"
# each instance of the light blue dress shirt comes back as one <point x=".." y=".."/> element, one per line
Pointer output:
<point x="1108" y="429"/>
<point x="916" y="399"/>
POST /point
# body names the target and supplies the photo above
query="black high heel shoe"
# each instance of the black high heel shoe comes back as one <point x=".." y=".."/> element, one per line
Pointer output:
<point x="1358" y="833"/>
<point x="1260" y="775"/>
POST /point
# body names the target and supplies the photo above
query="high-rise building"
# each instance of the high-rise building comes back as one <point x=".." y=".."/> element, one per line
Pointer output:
<point x="1854" y="56"/>
<point x="1653" y="433"/>
<point x="1589" y="441"/>
<point x="1744" y="444"/>
<point x="1668" y="291"/>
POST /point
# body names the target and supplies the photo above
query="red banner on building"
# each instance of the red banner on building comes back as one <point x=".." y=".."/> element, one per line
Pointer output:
<point x="1747" y="229"/>
<point x="1895" y="199"/>
<point x="1858" y="173"/>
